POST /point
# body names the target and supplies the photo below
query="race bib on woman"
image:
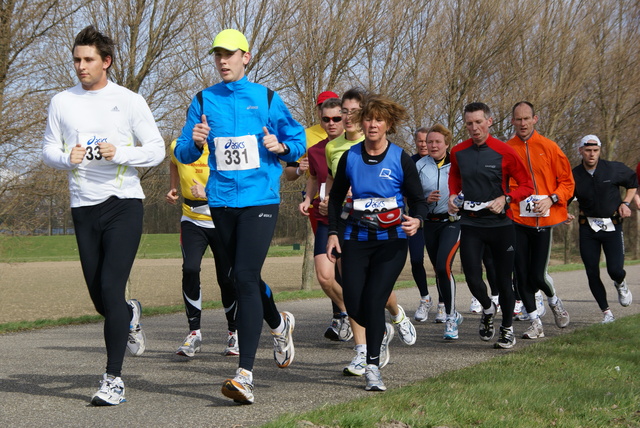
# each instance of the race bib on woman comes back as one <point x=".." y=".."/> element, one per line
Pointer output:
<point x="237" y="153"/>
<point x="374" y="205"/>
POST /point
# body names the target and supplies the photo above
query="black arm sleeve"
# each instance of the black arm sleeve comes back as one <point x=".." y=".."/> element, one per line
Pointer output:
<point x="341" y="185"/>
<point x="412" y="188"/>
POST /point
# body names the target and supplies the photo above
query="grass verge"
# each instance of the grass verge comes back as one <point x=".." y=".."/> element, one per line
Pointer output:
<point x="588" y="378"/>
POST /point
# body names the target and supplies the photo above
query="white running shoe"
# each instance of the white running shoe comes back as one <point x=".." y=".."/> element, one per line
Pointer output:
<point x="356" y="366"/>
<point x="624" y="295"/>
<point x="441" y="314"/>
<point x="451" y="327"/>
<point x="422" y="313"/>
<point x="496" y="301"/>
<point x="137" y="342"/>
<point x="540" y="304"/>
<point x="406" y="330"/>
<point x="385" y="355"/>
<point x="475" y="307"/>
<point x="374" y="379"/>
<point x="344" y="332"/>
<point x="190" y="346"/>
<point x="534" y="331"/>
<point x="232" y="347"/>
<point x="283" y="350"/>
<point x="111" y="392"/>
<point x="240" y="388"/>
<point x="560" y="315"/>
<point x="607" y="317"/>
<point x="517" y="308"/>
<point x="523" y="315"/>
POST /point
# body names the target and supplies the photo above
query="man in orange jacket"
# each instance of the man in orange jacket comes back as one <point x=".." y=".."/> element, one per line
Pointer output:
<point x="536" y="216"/>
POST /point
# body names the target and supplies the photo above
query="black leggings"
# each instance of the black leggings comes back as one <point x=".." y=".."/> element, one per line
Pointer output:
<point x="442" y="240"/>
<point x="533" y="249"/>
<point x="245" y="234"/>
<point x="370" y="270"/>
<point x="108" y="235"/>
<point x="591" y="245"/>
<point x="194" y="240"/>
<point x="501" y="242"/>
<point x="416" y="257"/>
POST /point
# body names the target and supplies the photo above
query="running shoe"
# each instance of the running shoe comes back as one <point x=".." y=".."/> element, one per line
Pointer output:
<point x="475" y="307"/>
<point x="607" y="317"/>
<point x="540" y="304"/>
<point x="232" y="347"/>
<point x="441" y="314"/>
<point x="523" y="315"/>
<point x="517" y="308"/>
<point x="137" y="342"/>
<point x="344" y="332"/>
<point x="384" y="348"/>
<point x="487" y="331"/>
<point x="624" y="295"/>
<point x="240" y="388"/>
<point x="332" y="331"/>
<point x="560" y="314"/>
<point x="534" y="331"/>
<point x="406" y="330"/>
<point x="356" y="366"/>
<point x="422" y="313"/>
<point x="374" y="379"/>
<point x="507" y="339"/>
<point x="451" y="327"/>
<point x="496" y="301"/>
<point x="190" y="346"/>
<point x="283" y="350"/>
<point x="111" y="392"/>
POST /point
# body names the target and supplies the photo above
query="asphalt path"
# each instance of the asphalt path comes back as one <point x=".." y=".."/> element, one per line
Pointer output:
<point x="48" y="376"/>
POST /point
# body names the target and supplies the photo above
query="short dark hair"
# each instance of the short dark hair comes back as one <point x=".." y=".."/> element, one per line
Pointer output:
<point x="519" y="103"/>
<point x="90" y="36"/>
<point x="357" y="94"/>
<point x="473" y="107"/>
<point x="330" y="103"/>
<point x="421" y="130"/>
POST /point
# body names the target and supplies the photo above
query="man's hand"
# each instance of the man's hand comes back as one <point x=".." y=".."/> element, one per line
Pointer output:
<point x="271" y="143"/>
<point x="497" y="205"/>
<point x="569" y="219"/>
<point x="77" y="154"/>
<point x="323" y="206"/>
<point x="434" y="196"/>
<point x="197" y="190"/>
<point x="304" y="165"/>
<point x="172" y="196"/>
<point x="107" y="150"/>
<point x="542" y="206"/>
<point x="201" y="132"/>
<point x="452" y="207"/>
<point x="624" y="210"/>
<point x="303" y="207"/>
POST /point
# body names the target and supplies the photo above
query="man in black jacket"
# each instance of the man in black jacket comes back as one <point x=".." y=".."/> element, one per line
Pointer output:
<point x="602" y="209"/>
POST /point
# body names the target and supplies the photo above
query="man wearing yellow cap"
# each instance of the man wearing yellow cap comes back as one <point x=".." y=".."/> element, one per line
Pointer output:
<point x="248" y="130"/>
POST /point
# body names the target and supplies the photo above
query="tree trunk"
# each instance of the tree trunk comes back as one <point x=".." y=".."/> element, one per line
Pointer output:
<point x="308" y="268"/>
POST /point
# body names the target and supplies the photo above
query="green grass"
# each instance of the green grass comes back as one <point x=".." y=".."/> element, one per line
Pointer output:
<point x="17" y="249"/>
<point x="589" y="378"/>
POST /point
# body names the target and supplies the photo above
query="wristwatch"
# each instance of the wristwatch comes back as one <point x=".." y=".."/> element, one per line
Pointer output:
<point x="507" y="199"/>
<point x="554" y="198"/>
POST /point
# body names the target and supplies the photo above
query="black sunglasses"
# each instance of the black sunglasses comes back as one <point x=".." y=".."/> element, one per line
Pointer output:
<point x="335" y="119"/>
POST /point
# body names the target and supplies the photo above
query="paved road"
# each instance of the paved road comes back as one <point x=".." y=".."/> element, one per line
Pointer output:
<point x="47" y="376"/>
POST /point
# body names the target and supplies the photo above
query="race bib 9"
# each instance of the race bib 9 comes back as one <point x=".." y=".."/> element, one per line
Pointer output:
<point x="237" y="153"/>
<point x="527" y="206"/>
<point x="601" y="224"/>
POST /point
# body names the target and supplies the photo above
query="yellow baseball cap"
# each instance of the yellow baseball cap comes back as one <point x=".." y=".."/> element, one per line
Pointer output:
<point x="231" y="40"/>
